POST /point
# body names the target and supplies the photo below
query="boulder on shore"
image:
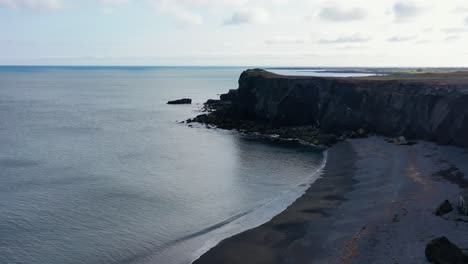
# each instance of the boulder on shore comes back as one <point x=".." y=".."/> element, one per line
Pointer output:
<point x="442" y="251"/>
<point x="444" y="208"/>
<point x="181" y="101"/>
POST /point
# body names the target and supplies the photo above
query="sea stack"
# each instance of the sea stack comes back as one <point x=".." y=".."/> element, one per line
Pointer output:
<point x="180" y="101"/>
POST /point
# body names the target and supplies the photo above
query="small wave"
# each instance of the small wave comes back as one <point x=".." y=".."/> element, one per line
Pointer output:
<point x="213" y="227"/>
<point x="265" y="205"/>
<point x="202" y="241"/>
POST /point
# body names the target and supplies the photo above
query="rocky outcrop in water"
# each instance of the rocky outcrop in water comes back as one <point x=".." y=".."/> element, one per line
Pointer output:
<point x="426" y="107"/>
<point x="181" y="101"/>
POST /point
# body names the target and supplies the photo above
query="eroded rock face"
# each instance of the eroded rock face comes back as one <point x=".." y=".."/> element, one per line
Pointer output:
<point x="416" y="110"/>
<point x="442" y="251"/>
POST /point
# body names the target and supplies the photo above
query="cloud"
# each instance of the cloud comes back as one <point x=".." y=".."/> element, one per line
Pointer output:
<point x="112" y="1"/>
<point x="460" y="9"/>
<point x="109" y="5"/>
<point x="346" y="39"/>
<point x="401" y="38"/>
<point x="284" y="40"/>
<point x="428" y="30"/>
<point x="206" y="4"/>
<point x="455" y="30"/>
<point x="352" y="47"/>
<point x="452" y="38"/>
<point x="404" y="11"/>
<point x="32" y="4"/>
<point x="254" y="16"/>
<point x="188" y="18"/>
<point x="180" y="13"/>
<point x="423" y="41"/>
<point x="340" y="15"/>
<point x="466" y="20"/>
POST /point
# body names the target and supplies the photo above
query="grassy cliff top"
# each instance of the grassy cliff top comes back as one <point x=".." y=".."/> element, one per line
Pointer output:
<point x="433" y="76"/>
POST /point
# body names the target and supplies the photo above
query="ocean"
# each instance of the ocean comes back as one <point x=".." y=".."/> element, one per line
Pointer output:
<point x="96" y="168"/>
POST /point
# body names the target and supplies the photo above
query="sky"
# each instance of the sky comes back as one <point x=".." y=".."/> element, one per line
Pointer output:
<point x="377" y="33"/>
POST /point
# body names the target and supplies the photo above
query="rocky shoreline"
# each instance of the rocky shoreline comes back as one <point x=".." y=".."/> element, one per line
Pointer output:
<point x="323" y="111"/>
<point x="326" y="111"/>
<point x="374" y="203"/>
<point x="219" y="113"/>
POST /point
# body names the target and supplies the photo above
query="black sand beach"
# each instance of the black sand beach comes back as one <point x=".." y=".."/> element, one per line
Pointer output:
<point x="373" y="204"/>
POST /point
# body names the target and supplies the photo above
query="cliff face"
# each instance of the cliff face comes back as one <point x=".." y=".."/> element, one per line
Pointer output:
<point x="418" y="109"/>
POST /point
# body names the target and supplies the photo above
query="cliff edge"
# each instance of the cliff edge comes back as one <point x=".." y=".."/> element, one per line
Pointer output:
<point x="418" y="106"/>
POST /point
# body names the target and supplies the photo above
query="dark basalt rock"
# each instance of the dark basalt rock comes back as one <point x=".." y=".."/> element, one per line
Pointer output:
<point x="444" y="208"/>
<point x="230" y="96"/>
<point x="442" y="251"/>
<point x="348" y="107"/>
<point x="181" y="101"/>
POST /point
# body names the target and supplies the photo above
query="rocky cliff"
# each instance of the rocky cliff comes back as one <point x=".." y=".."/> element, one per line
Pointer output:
<point x="429" y="107"/>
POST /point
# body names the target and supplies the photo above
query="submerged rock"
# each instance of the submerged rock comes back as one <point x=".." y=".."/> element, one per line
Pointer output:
<point x="181" y="101"/>
<point x="442" y="251"/>
<point x="444" y="208"/>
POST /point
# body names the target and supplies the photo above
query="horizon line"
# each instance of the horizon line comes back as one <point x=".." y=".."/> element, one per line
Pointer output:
<point x="224" y="66"/>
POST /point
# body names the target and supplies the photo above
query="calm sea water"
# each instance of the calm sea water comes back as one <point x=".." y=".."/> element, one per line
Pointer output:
<point x="94" y="167"/>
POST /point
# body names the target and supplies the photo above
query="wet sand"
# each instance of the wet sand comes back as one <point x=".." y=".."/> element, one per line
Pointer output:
<point x="373" y="204"/>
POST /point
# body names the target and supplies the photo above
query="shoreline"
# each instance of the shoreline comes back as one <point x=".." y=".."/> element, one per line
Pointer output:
<point x="372" y="203"/>
<point x="220" y="252"/>
<point x="326" y="110"/>
<point x="369" y="184"/>
<point x="315" y="176"/>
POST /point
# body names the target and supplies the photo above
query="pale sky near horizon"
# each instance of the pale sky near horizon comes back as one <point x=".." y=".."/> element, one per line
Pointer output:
<point x="234" y="32"/>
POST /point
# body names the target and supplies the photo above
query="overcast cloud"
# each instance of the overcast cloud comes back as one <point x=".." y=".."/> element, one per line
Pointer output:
<point x="235" y="32"/>
<point x="248" y="17"/>
<point x="346" y="39"/>
<point x="32" y="4"/>
<point x="401" y="38"/>
<point x="405" y="11"/>
<point x="342" y="15"/>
